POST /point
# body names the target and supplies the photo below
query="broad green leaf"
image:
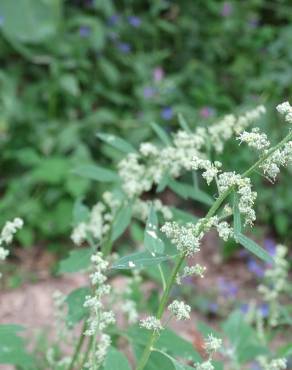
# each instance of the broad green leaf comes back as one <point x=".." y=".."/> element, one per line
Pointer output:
<point x="168" y="341"/>
<point x="30" y="21"/>
<point x="152" y="241"/>
<point x="183" y="123"/>
<point x="12" y="349"/>
<point x="254" y="248"/>
<point x="121" y="221"/>
<point x="76" y="309"/>
<point x="187" y="191"/>
<point x="116" y="142"/>
<point x="161" y="133"/>
<point x="139" y="260"/>
<point x="77" y="260"/>
<point x="51" y="170"/>
<point x="80" y="212"/>
<point x="97" y="173"/>
<point x="116" y="360"/>
<point x="236" y="216"/>
<point x="243" y="338"/>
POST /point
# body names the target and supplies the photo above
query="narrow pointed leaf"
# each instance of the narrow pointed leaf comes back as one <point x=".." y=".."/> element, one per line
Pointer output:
<point x="152" y="241"/>
<point x="98" y="173"/>
<point x="116" y="142"/>
<point x="121" y="222"/>
<point x="254" y="248"/>
<point x="161" y="134"/>
<point x="139" y="260"/>
<point x="183" y="123"/>
<point x="236" y="216"/>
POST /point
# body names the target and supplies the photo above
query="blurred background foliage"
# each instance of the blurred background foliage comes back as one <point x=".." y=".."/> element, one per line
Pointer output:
<point x="73" y="68"/>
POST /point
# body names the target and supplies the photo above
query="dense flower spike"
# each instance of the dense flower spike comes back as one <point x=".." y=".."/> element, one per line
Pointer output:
<point x="180" y="310"/>
<point x="276" y="364"/>
<point x="254" y="139"/>
<point x="212" y="344"/>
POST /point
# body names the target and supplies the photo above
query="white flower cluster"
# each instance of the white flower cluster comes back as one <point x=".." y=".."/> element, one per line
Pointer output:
<point x="275" y="283"/>
<point x="247" y="197"/>
<point x="220" y="132"/>
<point x="180" y="310"/>
<point x="129" y="307"/>
<point x="212" y="345"/>
<point x="276" y="364"/>
<point x="197" y="269"/>
<point x="140" y="171"/>
<point x="151" y="323"/>
<point x="141" y="209"/>
<point x="210" y="170"/>
<point x="281" y="157"/>
<point x="6" y="236"/>
<point x="99" y="318"/>
<point x="254" y="139"/>
<point x="183" y="237"/>
<point x="206" y="365"/>
<point x="99" y="220"/>
<point x="286" y="110"/>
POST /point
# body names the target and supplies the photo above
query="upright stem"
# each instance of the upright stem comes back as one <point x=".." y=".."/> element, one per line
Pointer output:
<point x="154" y="336"/>
<point x="78" y="346"/>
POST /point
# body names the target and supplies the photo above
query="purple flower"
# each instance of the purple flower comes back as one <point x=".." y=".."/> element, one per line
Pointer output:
<point x="255" y="268"/>
<point x="124" y="47"/>
<point x="270" y="246"/>
<point x="84" y="31"/>
<point x="158" y="74"/>
<point x="149" y="92"/>
<point x="206" y="112"/>
<point x="264" y="310"/>
<point x="134" y="21"/>
<point x="227" y="288"/>
<point x="226" y="9"/>
<point x="213" y="307"/>
<point x="166" y="113"/>
<point x="113" y="20"/>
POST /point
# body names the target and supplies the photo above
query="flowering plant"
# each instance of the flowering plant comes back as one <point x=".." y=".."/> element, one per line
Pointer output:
<point x="172" y="240"/>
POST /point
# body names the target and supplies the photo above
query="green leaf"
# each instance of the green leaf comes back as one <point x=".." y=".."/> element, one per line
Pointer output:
<point x="161" y="133"/>
<point x="121" y="221"/>
<point x="183" y="123"/>
<point x="80" y="212"/>
<point x="97" y="173"/>
<point x="254" y="248"/>
<point x="152" y="241"/>
<point x="77" y="260"/>
<point x="69" y="83"/>
<point x="116" y="360"/>
<point x="12" y="349"/>
<point x="139" y="260"/>
<point x="243" y="337"/>
<point x="162" y="184"/>
<point x="236" y="216"/>
<point x="182" y="216"/>
<point x="76" y="309"/>
<point x="116" y="142"/>
<point x="51" y="170"/>
<point x="187" y="191"/>
<point x="30" y="21"/>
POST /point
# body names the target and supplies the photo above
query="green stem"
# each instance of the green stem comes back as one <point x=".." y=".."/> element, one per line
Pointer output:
<point x="154" y="336"/>
<point x="78" y="345"/>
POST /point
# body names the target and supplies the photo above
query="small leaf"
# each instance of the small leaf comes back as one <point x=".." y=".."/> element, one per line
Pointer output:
<point x="76" y="309"/>
<point x="187" y="191"/>
<point x="139" y="260"/>
<point x="116" y="142"/>
<point x="161" y="134"/>
<point x="182" y="216"/>
<point x="77" y="260"/>
<point x="162" y="184"/>
<point x="97" y="173"/>
<point x="121" y="221"/>
<point x="254" y="248"/>
<point x="116" y="360"/>
<point x="183" y="123"/>
<point x="236" y="216"/>
<point x="152" y="241"/>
